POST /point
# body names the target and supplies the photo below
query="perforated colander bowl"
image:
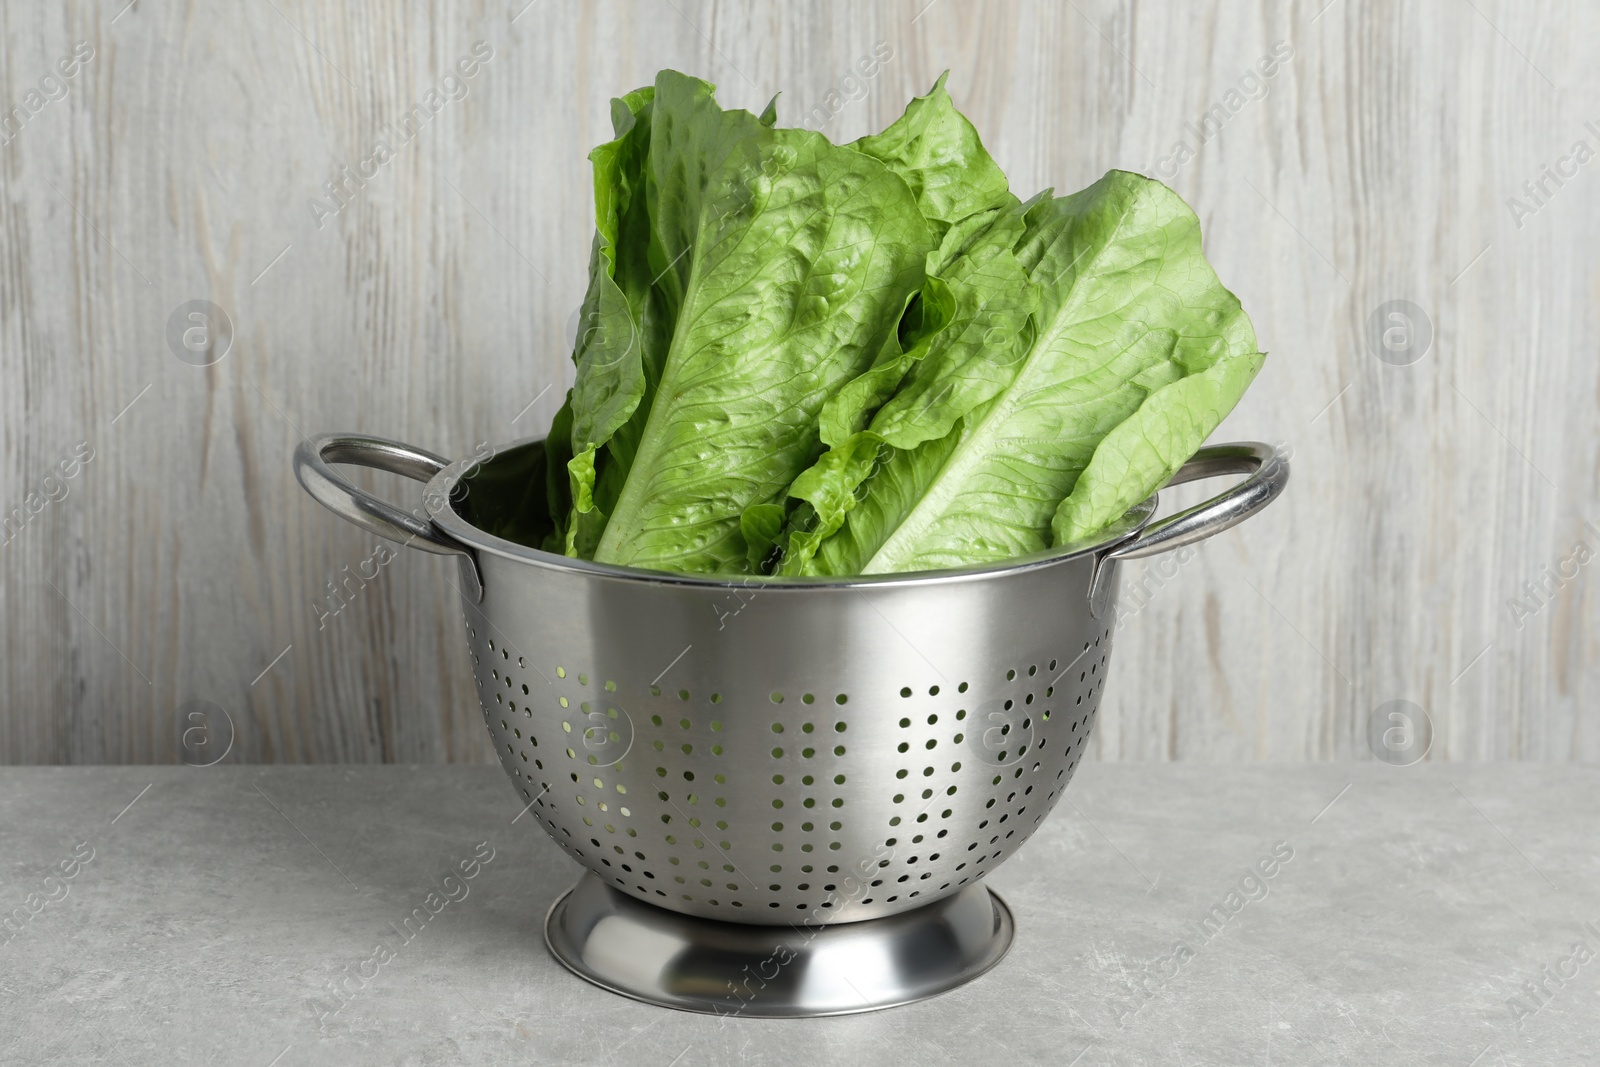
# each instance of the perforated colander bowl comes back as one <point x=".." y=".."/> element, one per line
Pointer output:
<point x="765" y="751"/>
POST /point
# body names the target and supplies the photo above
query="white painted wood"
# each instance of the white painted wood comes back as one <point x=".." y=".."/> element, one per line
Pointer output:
<point x="182" y="559"/>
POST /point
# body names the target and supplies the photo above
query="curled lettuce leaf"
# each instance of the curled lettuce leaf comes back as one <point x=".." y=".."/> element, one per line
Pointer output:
<point x="785" y="262"/>
<point x="1144" y="451"/>
<point x="939" y="154"/>
<point x="1132" y="327"/>
<point x="981" y="311"/>
<point x="621" y="330"/>
<point x="968" y="317"/>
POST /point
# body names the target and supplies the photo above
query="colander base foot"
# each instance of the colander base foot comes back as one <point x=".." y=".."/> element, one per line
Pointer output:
<point x="677" y="961"/>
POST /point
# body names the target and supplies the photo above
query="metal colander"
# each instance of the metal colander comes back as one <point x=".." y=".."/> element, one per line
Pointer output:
<point x="756" y="755"/>
<point x="771" y="751"/>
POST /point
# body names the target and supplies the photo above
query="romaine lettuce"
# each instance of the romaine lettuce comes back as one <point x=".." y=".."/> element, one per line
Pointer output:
<point x="807" y="358"/>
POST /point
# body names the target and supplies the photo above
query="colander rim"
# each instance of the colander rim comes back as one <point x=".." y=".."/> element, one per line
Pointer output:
<point x="438" y="497"/>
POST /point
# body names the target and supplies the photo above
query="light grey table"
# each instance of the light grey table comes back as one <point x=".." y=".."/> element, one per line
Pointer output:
<point x="1426" y="915"/>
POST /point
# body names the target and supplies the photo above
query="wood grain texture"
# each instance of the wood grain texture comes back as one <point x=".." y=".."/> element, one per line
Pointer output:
<point x="182" y="559"/>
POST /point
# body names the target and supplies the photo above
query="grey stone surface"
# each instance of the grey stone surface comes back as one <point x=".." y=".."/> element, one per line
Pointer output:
<point x="222" y="907"/>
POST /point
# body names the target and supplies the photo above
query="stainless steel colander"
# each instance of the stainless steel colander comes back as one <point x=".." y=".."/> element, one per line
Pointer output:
<point x="779" y="753"/>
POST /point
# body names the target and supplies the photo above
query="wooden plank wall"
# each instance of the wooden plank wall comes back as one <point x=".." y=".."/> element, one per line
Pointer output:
<point x="1385" y="159"/>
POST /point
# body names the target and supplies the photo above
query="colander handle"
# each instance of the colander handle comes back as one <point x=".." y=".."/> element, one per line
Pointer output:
<point x="313" y="460"/>
<point x="1268" y="471"/>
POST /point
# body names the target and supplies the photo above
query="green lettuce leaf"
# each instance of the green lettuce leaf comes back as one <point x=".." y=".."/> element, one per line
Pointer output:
<point x="1143" y="452"/>
<point x="784" y="262"/>
<point x="1131" y="324"/>
<point x="964" y="196"/>
<point x="621" y="333"/>
<point x="964" y="324"/>
<point x="939" y="154"/>
<point x="982" y="308"/>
